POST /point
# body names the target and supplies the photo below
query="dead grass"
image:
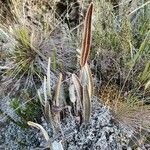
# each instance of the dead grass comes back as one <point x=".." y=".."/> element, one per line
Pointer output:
<point x="121" y="46"/>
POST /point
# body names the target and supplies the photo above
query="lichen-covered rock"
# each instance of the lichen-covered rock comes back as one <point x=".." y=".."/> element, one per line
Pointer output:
<point x="16" y="138"/>
<point x="100" y="133"/>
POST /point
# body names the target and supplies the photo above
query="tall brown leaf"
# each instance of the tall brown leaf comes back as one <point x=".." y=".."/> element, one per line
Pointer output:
<point x="86" y="40"/>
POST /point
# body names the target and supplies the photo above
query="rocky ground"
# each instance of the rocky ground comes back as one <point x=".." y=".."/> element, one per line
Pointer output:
<point x="102" y="132"/>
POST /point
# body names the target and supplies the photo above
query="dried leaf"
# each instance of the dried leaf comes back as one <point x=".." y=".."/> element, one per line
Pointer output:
<point x="78" y="89"/>
<point x="57" y="92"/>
<point x="147" y="85"/>
<point x="54" y="62"/>
<point x="45" y="134"/>
<point x="38" y="126"/>
<point x="86" y="40"/>
<point x="57" y="103"/>
<point x="90" y="81"/>
<point x="47" y="109"/>
<point x="77" y="85"/>
<point x="83" y="76"/>
<point x="72" y="94"/>
<point x="62" y="97"/>
<point x="45" y="91"/>
<point x="86" y="105"/>
<point x="40" y="98"/>
<point x="48" y="79"/>
<point x="46" y="103"/>
<point x="48" y="115"/>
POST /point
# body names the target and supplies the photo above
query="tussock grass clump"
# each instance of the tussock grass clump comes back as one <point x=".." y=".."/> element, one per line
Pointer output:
<point x="26" y="25"/>
<point x="24" y="53"/>
<point x="24" y="59"/>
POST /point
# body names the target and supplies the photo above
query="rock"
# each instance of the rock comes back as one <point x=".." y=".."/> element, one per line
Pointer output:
<point x="100" y="133"/>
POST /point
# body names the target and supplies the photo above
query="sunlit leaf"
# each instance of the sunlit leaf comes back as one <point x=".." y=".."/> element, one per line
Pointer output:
<point x="86" y="105"/>
<point x="72" y="94"/>
<point x="147" y="85"/>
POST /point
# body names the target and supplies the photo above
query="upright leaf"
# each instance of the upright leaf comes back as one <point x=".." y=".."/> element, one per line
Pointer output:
<point x="77" y="85"/>
<point x="57" y="90"/>
<point x="40" y="98"/>
<point x="86" y="40"/>
<point x="90" y="81"/>
<point x="72" y="94"/>
<point x="57" y="103"/>
<point x="48" y="79"/>
<point x="86" y="105"/>
<point x="47" y="109"/>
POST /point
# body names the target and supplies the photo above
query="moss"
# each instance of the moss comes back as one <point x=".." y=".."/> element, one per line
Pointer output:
<point x="30" y="111"/>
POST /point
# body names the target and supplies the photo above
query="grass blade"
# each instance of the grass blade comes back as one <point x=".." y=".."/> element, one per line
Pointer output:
<point x="40" y="98"/>
<point x="48" y="79"/>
